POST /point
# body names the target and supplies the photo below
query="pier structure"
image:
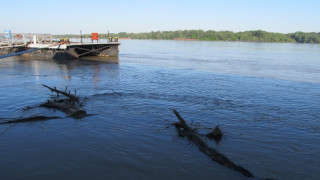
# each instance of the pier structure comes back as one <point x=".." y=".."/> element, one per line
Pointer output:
<point x="17" y="39"/>
<point x="45" y="46"/>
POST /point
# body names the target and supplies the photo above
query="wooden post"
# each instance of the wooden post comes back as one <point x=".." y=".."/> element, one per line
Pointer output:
<point x="108" y="36"/>
<point x="81" y="36"/>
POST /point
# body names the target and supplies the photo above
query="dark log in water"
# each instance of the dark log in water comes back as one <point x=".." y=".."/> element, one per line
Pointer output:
<point x="30" y="119"/>
<point x="72" y="97"/>
<point x="67" y="107"/>
<point x="192" y="135"/>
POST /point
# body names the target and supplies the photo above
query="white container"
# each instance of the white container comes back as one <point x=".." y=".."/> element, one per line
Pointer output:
<point x="34" y="39"/>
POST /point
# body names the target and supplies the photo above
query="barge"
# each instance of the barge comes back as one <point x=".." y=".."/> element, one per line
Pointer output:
<point x="44" y="46"/>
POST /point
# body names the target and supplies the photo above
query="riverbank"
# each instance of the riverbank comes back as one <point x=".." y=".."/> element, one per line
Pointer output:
<point x="211" y="35"/>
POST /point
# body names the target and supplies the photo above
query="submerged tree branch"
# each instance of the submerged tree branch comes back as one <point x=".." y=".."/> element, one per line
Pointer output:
<point x="66" y="107"/>
<point x="72" y="97"/>
<point x="192" y="135"/>
<point x="30" y="119"/>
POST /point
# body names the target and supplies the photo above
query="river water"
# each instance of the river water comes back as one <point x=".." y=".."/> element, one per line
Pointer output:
<point x="264" y="96"/>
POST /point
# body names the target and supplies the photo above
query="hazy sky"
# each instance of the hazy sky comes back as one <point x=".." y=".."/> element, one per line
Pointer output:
<point x="71" y="16"/>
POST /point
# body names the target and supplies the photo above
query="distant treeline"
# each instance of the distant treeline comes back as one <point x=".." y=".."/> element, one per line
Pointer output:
<point x="250" y="36"/>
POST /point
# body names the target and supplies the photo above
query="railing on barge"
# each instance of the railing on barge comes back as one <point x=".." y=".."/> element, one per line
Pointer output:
<point x="19" y="39"/>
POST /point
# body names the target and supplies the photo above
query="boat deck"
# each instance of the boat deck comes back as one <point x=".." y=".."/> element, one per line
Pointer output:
<point x="57" y="45"/>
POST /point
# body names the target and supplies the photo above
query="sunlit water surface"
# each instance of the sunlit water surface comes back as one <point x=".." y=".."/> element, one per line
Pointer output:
<point x="264" y="96"/>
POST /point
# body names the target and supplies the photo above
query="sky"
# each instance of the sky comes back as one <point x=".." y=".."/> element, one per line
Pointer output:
<point x="71" y="16"/>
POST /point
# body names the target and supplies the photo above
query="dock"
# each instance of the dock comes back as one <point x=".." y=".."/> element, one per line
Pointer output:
<point x="45" y="46"/>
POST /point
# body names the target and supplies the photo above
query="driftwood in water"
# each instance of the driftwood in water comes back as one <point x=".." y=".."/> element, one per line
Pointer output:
<point x="72" y="97"/>
<point x="29" y="119"/>
<point x="192" y="135"/>
<point x="67" y="107"/>
<point x="215" y="134"/>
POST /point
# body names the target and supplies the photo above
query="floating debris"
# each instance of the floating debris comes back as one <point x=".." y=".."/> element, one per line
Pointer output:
<point x="193" y="136"/>
<point x="216" y="134"/>
<point x="70" y="106"/>
<point x="30" y="119"/>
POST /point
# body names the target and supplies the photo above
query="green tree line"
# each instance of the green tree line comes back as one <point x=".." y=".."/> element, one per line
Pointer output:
<point x="247" y="36"/>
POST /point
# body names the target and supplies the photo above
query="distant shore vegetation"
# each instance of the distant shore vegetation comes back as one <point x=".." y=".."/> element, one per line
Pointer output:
<point x="246" y="36"/>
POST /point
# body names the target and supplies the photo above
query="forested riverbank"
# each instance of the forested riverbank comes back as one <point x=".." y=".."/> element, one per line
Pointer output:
<point x="246" y="36"/>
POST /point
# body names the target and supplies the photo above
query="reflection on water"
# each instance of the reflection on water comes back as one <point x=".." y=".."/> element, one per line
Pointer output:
<point x="105" y="59"/>
<point x="262" y="95"/>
